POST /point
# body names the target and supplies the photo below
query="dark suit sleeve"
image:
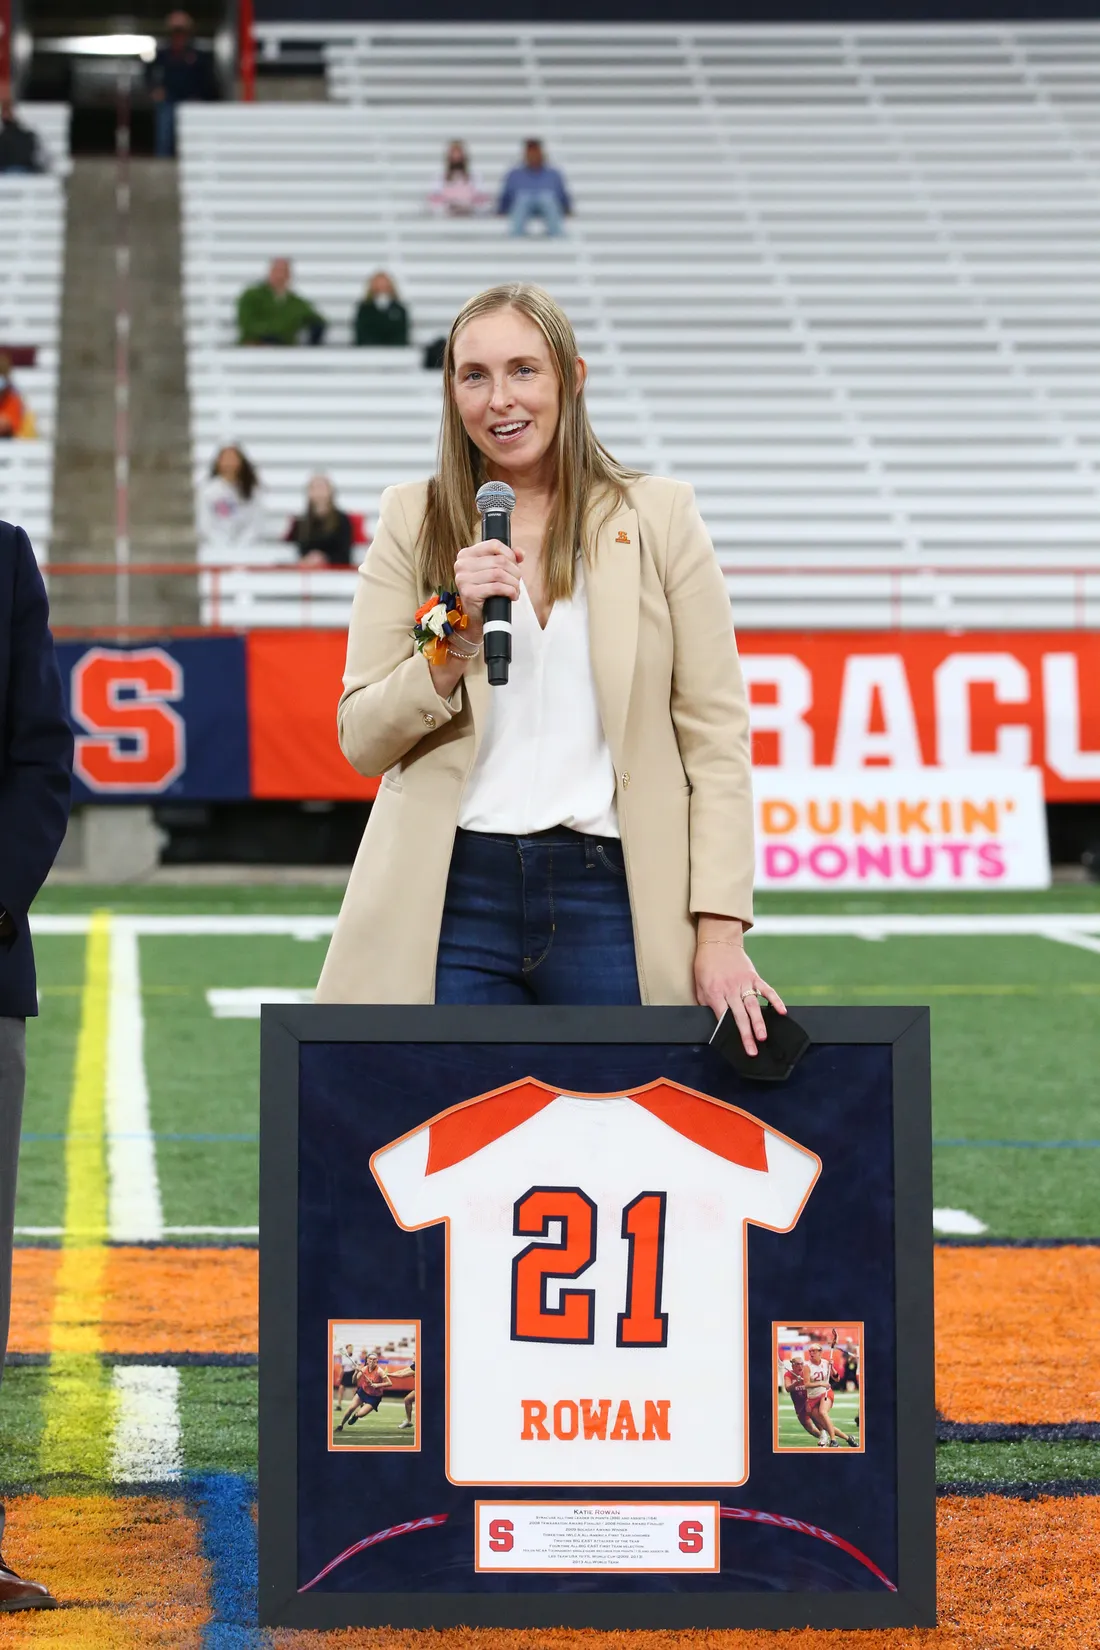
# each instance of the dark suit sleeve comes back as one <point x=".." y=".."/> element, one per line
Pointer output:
<point x="36" y="779"/>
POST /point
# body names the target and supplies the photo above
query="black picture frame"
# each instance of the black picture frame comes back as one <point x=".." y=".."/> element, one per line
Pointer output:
<point x="285" y="1029"/>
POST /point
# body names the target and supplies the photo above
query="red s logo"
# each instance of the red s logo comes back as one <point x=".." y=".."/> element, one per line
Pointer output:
<point x="134" y="740"/>
<point x="691" y="1536"/>
<point x="501" y="1539"/>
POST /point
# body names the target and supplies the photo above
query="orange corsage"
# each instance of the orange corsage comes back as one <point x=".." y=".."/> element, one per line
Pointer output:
<point x="434" y="621"/>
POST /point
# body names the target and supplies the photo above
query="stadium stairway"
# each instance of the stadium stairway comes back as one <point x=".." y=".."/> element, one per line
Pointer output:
<point x="161" y="522"/>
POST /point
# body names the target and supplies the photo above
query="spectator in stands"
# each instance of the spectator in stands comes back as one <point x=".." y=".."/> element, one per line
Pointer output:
<point x="20" y="150"/>
<point x="231" y="510"/>
<point x="458" y="193"/>
<point x="381" y="317"/>
<point x="271" y="313"/>
<point x="181" y="72"/>
<point x="324" y="533"/>
<point x="15" y="417"/>
<point x="534" y="190"/>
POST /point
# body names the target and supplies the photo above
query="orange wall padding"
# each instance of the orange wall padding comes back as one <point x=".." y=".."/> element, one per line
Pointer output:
<point x="294" y="682"/>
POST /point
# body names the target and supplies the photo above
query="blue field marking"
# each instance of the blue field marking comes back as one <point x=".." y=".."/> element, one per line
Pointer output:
<point x="1027" y="1145"/>
<point x="223" y="1501"/>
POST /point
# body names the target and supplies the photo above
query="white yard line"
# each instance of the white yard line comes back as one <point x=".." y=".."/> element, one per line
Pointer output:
<point x="245" y="1002"/>
<point x="957" y="1222"/>
<point x="211" y="1231"/>
<point x="1066" y="936"/>
<point x="134" y="1207"/>
<point x="1044" y="925"/>
<point x="146" y="1444"/>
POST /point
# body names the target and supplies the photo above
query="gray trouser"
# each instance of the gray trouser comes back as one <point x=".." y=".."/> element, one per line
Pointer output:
<point x="13" y="1071"/>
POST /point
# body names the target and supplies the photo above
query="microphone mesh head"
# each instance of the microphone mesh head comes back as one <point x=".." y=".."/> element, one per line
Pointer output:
<point x="495" y="496"/>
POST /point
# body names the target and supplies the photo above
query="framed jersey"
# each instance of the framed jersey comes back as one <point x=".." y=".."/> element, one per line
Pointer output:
<point x="616" y="1330"/>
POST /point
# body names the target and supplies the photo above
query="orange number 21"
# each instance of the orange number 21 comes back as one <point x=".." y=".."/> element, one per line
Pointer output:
<point x="572" y="1320"/>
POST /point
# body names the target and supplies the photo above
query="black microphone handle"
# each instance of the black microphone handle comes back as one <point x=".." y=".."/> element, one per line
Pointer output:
<point x="497" y="524"/>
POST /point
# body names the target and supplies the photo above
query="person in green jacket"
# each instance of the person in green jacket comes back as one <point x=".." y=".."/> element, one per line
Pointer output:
<point x="270" y="313"/>
<point x="381" y="318"/>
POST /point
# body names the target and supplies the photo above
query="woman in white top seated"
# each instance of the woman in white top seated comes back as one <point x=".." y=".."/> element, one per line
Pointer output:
<point x="231" y="506"/>
<point x="582" y="834"/>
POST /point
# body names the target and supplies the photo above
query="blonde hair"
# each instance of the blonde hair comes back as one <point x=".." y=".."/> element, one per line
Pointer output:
<point x="585" y="468"/>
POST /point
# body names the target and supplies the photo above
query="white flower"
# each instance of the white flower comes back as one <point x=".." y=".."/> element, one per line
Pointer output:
<point x="435" y="619"/>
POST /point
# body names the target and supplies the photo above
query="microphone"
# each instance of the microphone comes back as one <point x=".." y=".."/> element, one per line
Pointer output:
<point x="495" y="502"/>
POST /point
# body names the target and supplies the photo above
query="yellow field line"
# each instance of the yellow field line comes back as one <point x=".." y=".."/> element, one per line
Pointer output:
<point x="76" y="1436"/>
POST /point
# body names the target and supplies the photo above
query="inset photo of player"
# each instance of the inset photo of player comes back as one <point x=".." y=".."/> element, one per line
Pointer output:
<point x="818" y="1387"/>
<point x="374" y="1397"/>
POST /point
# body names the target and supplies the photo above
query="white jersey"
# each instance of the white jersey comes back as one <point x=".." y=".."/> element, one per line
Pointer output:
<point x="818" y="1375"/>
<point x="596" y="1258"/>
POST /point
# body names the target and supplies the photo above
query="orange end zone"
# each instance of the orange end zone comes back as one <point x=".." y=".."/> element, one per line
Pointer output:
<point x="128" y="1569"/>
<point x="156" y="1300"/>
<point x="1012" y="1329"/>
<point x="1032" y="1306"/>
<point x="33" y="1282"/>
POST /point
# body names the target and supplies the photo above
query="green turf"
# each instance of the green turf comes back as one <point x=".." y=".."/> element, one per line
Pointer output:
<point x="1030" y="1462"/>
<point x="218" y="1419"/>
<point x="1013" y="1059"/>
<point x="51" y="1046"/>
<point x="381" y="1430"/>
<point x="22" y="1416"/>
<point x="792" y="1435"/>
<point x="204" y="1073"/>
<point x="1012" y="1038"/>
<point x="308" y="899"/>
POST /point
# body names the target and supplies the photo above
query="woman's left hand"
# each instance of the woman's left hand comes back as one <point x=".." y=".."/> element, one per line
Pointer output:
<point x="725" y="978"/>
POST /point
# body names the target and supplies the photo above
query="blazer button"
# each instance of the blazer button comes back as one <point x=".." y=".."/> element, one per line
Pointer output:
<point x="625" y="780"/>
<point x="429" y="719"/>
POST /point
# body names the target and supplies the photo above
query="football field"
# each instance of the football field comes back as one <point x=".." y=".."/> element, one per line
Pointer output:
<point x="380" y="1430"/>
<point x="127" y="1426"/>
<point x="845" y="1418"/>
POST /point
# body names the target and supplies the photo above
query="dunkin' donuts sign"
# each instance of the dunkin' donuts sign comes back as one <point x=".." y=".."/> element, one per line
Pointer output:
<point x="900" y="828"/>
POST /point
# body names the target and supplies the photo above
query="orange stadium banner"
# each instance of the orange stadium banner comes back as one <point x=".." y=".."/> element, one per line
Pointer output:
<point x="820" y="699"/>
<point x="983" y="700"/>
<point x="254" y="715"/>
<point x="294" y="679"/>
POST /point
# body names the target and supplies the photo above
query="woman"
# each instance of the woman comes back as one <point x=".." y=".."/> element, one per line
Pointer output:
<point x="381" y="318"/>
<point x="583" y="834"/>
<point x="458" y="193"/>
<point x="231" y="508"/>
<point x="323" y="534"/>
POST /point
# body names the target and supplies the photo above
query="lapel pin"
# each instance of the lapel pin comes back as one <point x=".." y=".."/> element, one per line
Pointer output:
<point x="621" y="537"/>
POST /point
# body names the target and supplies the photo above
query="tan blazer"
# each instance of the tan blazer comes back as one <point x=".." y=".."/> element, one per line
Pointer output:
<point x="674" y="713"/>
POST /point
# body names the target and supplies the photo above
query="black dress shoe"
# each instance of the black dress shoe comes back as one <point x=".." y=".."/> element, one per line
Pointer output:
<point x="17" y="1594"/>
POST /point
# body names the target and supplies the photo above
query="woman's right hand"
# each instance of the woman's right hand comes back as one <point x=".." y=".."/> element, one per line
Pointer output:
<point x="483" y="570"/>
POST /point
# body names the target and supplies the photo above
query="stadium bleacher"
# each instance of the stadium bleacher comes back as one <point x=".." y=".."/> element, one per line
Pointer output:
<point x="32" y="211"/>
<point x="842" y="279"/>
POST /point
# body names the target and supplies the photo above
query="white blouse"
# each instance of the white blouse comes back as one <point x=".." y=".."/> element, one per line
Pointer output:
<point x="543" y="759"/>
<point x="226" y="518"/>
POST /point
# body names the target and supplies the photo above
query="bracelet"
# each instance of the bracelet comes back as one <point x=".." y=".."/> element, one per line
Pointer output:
<point x="738" y="945"/>
<point x="470" y="652"/>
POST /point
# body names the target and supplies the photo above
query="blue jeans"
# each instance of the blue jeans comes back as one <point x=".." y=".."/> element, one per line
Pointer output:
<point x="544" y="204"/>
<point x="536" y="919"/>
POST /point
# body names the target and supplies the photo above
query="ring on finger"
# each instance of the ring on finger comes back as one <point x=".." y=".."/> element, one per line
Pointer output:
<point x="749" y="991"/>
